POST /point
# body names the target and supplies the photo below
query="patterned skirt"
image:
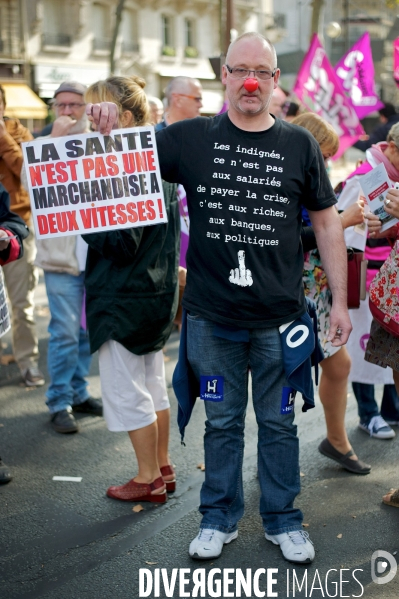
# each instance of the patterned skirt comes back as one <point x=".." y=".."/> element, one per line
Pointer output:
<point x="317" y="289"/>
<point x="382" y="348"/>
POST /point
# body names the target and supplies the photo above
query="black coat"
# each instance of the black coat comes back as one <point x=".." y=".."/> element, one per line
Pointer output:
<point x="131" y="283"/>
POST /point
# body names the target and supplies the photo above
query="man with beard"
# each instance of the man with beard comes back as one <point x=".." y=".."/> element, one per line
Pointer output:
<point x="247" y="175"/>
<point x="63" y="260"/>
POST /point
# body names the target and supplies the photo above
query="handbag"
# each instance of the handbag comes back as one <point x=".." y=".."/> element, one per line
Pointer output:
<point x="357" y="268"/>
<point x="384" y="293"/>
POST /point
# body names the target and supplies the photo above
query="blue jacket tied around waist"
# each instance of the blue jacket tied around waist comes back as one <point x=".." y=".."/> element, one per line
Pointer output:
<point x="301" y="350"/>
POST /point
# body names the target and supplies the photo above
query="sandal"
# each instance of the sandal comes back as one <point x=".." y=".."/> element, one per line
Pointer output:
<point x="392" y="498"/>
<point x="355" y="466"/>
<point x="170" y="484"/>
<point x="133" y="491"/>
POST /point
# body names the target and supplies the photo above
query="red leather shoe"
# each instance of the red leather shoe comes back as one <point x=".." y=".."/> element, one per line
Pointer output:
<point x="133" y="491"/>
<point x="170" y="484"/>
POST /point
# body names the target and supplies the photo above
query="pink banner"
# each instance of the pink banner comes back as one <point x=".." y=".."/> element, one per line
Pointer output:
<point x="318" y="87"/>
<point x="396" y="61"/>
<point x="356" y="72"/>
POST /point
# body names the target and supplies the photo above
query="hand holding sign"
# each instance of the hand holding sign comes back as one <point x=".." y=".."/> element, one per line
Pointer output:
<point x="391" y="205"/>
<point x="104" y="116"/>
<point x="374" y="228"/>
<point x="241" y="275"/>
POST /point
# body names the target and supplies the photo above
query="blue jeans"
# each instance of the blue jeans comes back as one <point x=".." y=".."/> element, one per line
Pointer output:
<point x="367" y="406"/>
<point x="68" y="348"/>
<point x="222" y="497"/>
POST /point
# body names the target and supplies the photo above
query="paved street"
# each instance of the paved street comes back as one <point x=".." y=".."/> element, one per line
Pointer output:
<point x="67" y="540"/>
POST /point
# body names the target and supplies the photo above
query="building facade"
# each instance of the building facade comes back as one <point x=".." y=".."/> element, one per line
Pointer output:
<point x="21" y="102"/>
<point x="44" y="42"/>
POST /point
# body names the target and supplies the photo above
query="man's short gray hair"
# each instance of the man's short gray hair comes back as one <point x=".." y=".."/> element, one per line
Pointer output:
<point x="179" y="85"/>
<point x="258" y="36"/>
<point x="154" y="101"/>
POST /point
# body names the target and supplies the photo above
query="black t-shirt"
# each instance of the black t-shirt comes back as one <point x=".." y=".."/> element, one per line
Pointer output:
<point x="244" y="193"/>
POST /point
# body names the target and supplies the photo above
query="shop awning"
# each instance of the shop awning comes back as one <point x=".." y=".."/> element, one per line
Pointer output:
<point x="23" y="103"/>
<point x="201" y="69"/>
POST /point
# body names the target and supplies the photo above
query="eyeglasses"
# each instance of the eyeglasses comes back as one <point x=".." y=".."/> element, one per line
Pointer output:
<point x="196" y="98"/>
<point x="72" y="105"/>
<point x="238" y="73"/>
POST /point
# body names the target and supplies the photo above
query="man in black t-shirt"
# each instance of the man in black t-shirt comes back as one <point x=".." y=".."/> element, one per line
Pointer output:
<point x="247" y="175"/>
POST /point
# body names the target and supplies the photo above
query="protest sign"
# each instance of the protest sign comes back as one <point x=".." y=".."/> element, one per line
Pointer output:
<point x="92" y="182"/>
<point x="375" y="185"/>
<point x="5" y="323"/>
<point x="319" y="88"/>
<point x="356" y="72"/>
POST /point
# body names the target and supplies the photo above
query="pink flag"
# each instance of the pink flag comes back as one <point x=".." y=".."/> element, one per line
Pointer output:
<point x="356" y="72"/>
<point x="396" y="61"/>
<point x="319" y="88"/>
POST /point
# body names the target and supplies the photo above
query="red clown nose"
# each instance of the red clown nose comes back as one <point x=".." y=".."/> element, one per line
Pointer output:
<point x="251" y="84"/>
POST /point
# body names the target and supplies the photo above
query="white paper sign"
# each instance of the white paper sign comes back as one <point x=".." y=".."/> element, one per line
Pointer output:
<point x="89" y="183"/>
<point x="376" y="185"/>
<point x="5" y="323"/>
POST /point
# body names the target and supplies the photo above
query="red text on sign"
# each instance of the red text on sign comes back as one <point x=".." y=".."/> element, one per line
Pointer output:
<point x="55" y="172"/>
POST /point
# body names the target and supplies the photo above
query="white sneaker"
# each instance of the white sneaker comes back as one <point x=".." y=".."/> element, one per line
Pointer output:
<point x="378" y="428"/>
<point x="295" y="546"/>
<point x="209" y="543"/>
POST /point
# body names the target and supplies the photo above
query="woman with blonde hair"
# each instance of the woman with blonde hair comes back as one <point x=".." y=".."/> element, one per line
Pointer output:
<point x="132" y="292"/>
<point x="336" y="364"/>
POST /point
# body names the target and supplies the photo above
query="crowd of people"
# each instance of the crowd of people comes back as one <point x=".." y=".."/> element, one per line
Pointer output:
<point x="117" y="292"/>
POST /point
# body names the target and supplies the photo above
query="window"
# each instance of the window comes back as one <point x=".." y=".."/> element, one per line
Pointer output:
<point x="101" y="27"/>
<point x="167" y="36"/>
<point x="57" y="24"/>
<point x="189" y="32"/>
<point x="5" y="45"/>
<point x="190" y="50"/>
<point x="129" y="32"/>
<point x="280" y="20"/>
